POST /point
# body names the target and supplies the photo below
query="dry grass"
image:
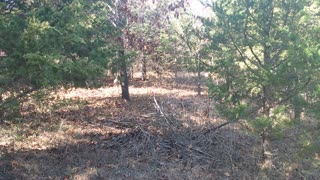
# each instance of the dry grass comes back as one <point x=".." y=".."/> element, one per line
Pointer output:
<point x="93" y="134"/>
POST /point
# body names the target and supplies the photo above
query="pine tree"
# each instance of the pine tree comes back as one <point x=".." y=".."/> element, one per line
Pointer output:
<point x="264" y="61"/>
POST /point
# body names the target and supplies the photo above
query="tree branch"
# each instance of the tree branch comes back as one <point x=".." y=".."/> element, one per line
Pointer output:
<point x="290" y="96"/>
<point x="250" y="47"/>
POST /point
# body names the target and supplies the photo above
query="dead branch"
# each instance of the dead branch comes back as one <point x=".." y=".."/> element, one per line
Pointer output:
<point x="218" y="127"/>
<point x="160" y="109"/>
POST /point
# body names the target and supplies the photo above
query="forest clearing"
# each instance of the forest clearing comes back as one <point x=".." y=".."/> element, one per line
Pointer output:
<point x="172" y="89"/>
<point x="165" y="132"/>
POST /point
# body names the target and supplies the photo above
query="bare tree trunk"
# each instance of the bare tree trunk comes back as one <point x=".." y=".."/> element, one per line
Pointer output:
<point x="176" y="76"/>
<point x="157" y="67"/>
<point x="199" y="75"/>
<point x="124" y="77"/>
<point x="143" y="68"/>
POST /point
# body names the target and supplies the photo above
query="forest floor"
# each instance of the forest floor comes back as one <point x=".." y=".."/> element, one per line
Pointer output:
<point x="166" y="131"/>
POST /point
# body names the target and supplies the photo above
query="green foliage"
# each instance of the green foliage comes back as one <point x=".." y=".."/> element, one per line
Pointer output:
<point x="310" y="142"/>
<point x="263" y="57"/>
<point x="275" y="124"/>
<point x="314" y="100"/>
<point x="49" y="44"/>
<point x="267" y="65"/>
<point x="261" y="123"/>
<point x="9" y="109"/>
<point x="53" y="45"/>
<point x="233" y="113"/>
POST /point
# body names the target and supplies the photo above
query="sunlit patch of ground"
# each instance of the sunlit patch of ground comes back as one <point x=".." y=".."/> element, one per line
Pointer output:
<point x="115" y="91"/>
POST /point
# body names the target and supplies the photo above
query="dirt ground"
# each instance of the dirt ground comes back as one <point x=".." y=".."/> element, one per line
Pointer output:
<point x="166" y="131"/>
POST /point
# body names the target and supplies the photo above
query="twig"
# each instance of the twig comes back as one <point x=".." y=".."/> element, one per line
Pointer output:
<point x="59" y="129"/>
<point x="201" y="152"/>
<point x="168" y="120"/>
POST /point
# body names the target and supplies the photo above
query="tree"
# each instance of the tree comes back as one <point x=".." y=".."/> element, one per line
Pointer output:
<point x="182" y="40"/>
<point x="53" y="43"/>
<point x="264" y="61"/>
<point x="192" y="36"/>
<point x="120" y="17"/>
<point x="151" y="20"/>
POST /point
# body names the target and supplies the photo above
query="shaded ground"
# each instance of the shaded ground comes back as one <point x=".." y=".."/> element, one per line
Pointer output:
<point x="160" y="134"/>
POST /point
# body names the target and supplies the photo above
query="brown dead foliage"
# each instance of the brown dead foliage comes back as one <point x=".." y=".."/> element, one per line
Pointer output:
<point x="160" y="134"/>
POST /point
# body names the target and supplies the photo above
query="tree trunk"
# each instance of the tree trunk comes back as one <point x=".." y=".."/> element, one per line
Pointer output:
<point x="266" y="155"/>
<point x="199" y="75"/>
<point x="122" y="22"/>
<point x="157" y="67"/>
<point x="143" y="68"/>
<point x="267" y="96"/>
<point x="124" y="77"/>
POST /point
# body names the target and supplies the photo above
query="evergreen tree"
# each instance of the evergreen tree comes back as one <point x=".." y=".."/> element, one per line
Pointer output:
<point x="53" y="43"/>
<point x="265" y="60"/>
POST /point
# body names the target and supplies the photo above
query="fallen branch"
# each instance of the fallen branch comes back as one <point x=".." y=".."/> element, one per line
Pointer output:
<point x="160" y="109"/>
<point x="218" y="127"/>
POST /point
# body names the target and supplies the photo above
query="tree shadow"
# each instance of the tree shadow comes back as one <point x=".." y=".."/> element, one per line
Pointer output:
<point x="140" y="153"/>
<point x="109" y="138"/>
<point x="158" y="135"/>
